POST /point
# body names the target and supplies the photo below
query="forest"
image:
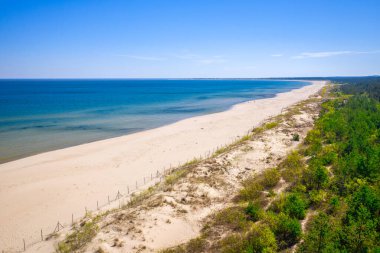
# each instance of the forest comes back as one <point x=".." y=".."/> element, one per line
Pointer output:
<point x="342" y="179"/>
<point x="369" y="86"/>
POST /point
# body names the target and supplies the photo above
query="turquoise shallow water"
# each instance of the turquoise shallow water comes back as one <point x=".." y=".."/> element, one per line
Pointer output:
<point x="43" y="115"/>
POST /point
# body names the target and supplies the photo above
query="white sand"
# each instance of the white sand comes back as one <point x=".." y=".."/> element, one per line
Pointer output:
<point x="37" y="191"/>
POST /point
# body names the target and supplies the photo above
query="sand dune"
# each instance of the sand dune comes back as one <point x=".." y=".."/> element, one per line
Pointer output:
<point x="37" y="191"/>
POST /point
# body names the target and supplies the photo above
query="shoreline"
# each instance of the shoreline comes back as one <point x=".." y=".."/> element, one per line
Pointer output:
<point x="63" y="182"/>
<point x="66" y="139"/>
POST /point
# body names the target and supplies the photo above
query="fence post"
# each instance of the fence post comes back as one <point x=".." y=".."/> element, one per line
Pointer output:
<point x="97" y="205"/>
<point x="128" y="189"/>
<point x="58" y="227"/>
<point x="136" y="184"/>
<point x="23" y="240"/>
<point x="108" y="199"/>
<point x="42" y="237"/>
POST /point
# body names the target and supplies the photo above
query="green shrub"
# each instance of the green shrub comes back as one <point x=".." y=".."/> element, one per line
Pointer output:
<point x="278" y="204"/>
<point x="296" y="137"/>
<point x="299" y="187"/>
<point x="233" y="218"/>
<point x="261" y="239"/>
<point x="270" y="177"/>
<point x="334" y="204"/>
<point x="258" y="239"/>
<point x="292" y="204"/>
<point x="271" y="219"/>
<point x="252" y="211"/>
<point x="251" y="189"/>
<point x="295" y="206"/>
<point x="317" y="197"/>
<point x="316" y="176"/>
<point x="314" y="142"/>
<point x="329" y="155"/>
<point x="292" y="167"/>
<point x="288" y="231"/>
<point x="320" y="237"/>
<point x="292" y="161"/>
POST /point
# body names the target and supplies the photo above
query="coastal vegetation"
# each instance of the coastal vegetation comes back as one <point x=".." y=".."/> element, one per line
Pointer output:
<point x="331" y="196"/>
<point x="324" y="196"/>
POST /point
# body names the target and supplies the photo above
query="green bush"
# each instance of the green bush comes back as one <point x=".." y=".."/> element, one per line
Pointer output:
<point x="320" y="237"/>
<point x="270" y="218"/>
<point x="314" y="141"/>
<point x="288" y="231"/>
<point x="293" y="160"/>
<point x="270" y="177"/>
<point x="334" y="204"/>
<point x="317" y="197"/>
<point x="278" y="204"/>
<point x="329" y="154"/>
<point x="316" y="176"/>
<point x="292" y="167"/>
<point x="259" y="238"/>
<point x="251" y="189"/>
<point x="296" y="137"/>
<point x="233" y="218"/>
<point x="295" y="206"/>
<point x="253" y="211"/>
<point x="292" y="204"/>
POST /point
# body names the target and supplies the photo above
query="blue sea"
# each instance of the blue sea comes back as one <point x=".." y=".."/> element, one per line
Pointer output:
<point x="43" y="115"/>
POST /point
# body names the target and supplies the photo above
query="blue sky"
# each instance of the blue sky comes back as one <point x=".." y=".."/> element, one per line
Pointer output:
<point x="193" y="38"/>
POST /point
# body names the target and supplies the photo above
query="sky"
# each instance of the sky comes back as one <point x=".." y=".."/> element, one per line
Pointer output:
<point x="188" y="39"/>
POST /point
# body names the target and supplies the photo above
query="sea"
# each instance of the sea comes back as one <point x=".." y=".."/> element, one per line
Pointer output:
<point x="43" y="115"/>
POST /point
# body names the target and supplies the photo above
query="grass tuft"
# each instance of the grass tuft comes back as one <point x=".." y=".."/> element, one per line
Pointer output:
<point x="80" y="237"/>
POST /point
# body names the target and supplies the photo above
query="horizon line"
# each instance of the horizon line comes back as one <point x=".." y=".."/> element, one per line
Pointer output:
<point x="177" y="78"/>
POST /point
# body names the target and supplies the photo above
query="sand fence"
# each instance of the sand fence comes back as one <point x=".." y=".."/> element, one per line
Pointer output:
<point x="116" y="200"/>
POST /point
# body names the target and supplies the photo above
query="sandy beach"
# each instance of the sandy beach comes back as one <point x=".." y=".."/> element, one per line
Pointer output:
<point x="40" y="190"/>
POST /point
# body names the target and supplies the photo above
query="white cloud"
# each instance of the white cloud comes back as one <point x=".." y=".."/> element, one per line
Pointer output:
<point x="331" y="53"/>
<point x="277" y="55"/>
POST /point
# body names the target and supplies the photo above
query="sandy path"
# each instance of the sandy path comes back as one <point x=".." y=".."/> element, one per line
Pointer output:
<point x="37" y="191"/>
